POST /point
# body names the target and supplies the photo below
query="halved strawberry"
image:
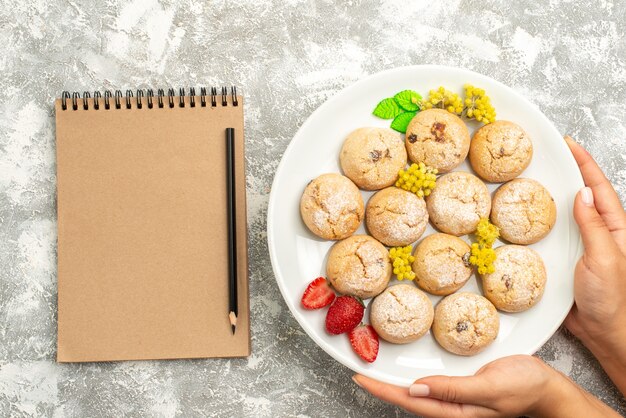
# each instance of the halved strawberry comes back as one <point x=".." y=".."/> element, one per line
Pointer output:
<point x="318" y="294"/>
<point x="344" y="314"/>
<point x="364" y="341"/>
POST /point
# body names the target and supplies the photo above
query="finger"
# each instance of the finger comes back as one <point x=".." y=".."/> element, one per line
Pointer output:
<point x="607" y="200"/>
<point x="597" y="239"/>
<point x="571" y="321"/>
<point x="467" y="389"/>
<point x="417" y="405"/>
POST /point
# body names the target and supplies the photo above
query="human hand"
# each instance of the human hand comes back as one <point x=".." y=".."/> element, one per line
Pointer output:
<point x="598" y="317"/>
<point x="599" y="312"/>
<point x="509" y="386"/>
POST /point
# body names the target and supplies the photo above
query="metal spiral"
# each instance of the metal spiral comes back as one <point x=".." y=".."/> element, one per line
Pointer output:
<point x="70" y="100"/>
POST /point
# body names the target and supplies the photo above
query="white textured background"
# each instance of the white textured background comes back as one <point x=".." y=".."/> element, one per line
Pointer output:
<point x="288" y="56"/>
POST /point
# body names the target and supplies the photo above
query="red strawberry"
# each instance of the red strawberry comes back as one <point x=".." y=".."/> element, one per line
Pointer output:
<point x="318" y="294"/>
<point x="364" y="341"/>
<point x="344" y="314"/>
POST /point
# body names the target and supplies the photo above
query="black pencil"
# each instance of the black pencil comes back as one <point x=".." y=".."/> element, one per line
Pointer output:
<point x="232" y="228"/>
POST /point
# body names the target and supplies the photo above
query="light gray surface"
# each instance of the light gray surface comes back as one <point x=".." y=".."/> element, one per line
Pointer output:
<point x="289" y="56"/>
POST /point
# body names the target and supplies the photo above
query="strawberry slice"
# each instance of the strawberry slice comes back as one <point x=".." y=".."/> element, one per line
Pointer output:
<point x="365" y="343"/>
<point x="318" y="294"/>
<point x="344" y="314"/>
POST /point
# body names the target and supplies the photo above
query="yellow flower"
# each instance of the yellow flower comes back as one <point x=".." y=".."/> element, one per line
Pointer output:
<point x="486" y="232"/>
<point x="478" y="105"/>
<point x="401" y="259"/>
<point x="418" y="178"/>
<point x="482" y="255"/>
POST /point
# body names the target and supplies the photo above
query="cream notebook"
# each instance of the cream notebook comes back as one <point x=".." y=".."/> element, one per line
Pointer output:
<point x="142" y="226"/>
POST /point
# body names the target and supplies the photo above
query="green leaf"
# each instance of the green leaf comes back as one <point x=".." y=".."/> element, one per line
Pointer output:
<point x="387" y="109"/>
<point x="402" y="121"/>
<point x="408" y="100"/>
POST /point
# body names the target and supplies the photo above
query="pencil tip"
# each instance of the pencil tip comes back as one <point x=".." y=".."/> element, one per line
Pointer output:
<point x="233" y="320"/>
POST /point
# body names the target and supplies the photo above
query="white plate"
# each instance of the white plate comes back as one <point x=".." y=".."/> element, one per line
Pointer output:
<point x="298" y="256"/>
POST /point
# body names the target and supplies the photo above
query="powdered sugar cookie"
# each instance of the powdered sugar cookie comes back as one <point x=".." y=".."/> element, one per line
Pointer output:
<point x="332" y="207"/>
<point x="396" y="217"/>
<point x="401" y="314"/>
<point x="440" y="267"/>
<point x="465" y="323"/>
<point x="457" y="203"/>
<point x="500" y="151"/>
<point x="359" y="266"/>
<point x="518" y="281"/>
<point x="437" y="138"/>
<point x="524" y="211"/>
<point x="372" y="157"/>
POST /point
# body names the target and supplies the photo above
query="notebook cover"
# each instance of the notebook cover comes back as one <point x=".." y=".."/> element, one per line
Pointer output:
<point x="142" y="233"/>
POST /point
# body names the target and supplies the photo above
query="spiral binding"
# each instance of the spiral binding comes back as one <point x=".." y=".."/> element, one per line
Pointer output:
<point x="107" y="100"/>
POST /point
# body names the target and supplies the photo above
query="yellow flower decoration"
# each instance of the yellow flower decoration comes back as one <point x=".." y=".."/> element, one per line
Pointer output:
<point x="482" y="255"/>
<point x="418" y="178"/>
<point x="401" y="259"/>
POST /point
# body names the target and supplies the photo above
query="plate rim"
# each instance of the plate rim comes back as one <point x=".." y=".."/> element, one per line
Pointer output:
<point x="273" y="198"/>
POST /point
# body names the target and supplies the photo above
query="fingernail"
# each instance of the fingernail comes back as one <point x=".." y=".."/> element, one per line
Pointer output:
<point x="419" y="390"/>
<point x="587" y="196"/>
<point x="357" y="382"/>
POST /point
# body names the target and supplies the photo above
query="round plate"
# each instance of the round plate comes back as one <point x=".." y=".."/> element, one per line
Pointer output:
<point x="298" y="256"/>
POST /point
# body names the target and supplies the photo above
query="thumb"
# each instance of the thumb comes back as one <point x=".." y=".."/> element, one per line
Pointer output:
<point x="467" y="389"/>
<point x="596" y="236"/>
